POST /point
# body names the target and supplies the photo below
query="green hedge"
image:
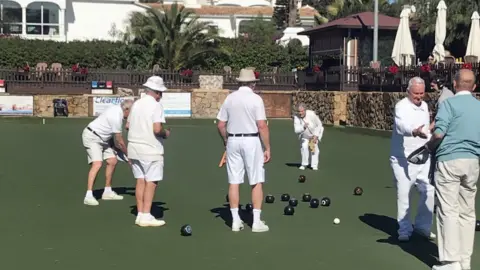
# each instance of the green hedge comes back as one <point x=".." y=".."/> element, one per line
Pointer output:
<point x="117" y="55"/>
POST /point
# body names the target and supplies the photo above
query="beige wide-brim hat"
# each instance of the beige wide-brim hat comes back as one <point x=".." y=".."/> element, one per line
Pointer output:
<point x="155" y="83"/>
<point x="247" y="75"/>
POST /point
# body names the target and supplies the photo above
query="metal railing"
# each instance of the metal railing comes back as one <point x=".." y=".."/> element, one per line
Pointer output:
<point x="385" y="79"/>
<point x="66" y="81"/>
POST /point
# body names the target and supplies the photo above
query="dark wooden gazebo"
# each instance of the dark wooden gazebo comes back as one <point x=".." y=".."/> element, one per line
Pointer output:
<point x="339" y="42"/>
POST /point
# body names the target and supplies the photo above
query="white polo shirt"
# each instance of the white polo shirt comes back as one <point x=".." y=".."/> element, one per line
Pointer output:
<point x="142" y="143"/>
<point x="241" y="110"/>
<point x="108" y="122"/>
<point x="408" y="117"/>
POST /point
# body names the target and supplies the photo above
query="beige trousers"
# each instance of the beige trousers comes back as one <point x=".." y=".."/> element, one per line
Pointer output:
<point x="456" y="187"/>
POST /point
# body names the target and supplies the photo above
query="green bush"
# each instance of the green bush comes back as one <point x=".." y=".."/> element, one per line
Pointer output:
<point x="17" y="52"/>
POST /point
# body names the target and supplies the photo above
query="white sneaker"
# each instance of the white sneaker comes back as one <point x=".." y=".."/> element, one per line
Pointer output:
<point x="150" y="221"/>
<point x="111" y="196"/>
<point x="237" y="226"/>
<point x="448" y="266"/>
<point x="90" y="201"/>
<point x="260" y="227"/>
<point x="429" y="236"/>
<point x="403" y="238"/>
<point x="315" y="168"/>
<point x="302" y="168"/>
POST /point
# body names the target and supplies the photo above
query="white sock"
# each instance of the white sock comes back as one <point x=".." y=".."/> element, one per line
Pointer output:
<point x="107" y="189"/>
<point x="256" y="215"/>
<point x="235" y="215"/>
<point x="89" y="194"/>
<point x="140" y="214"/>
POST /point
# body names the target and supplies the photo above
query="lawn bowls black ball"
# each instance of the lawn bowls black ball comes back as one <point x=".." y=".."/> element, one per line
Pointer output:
<point x="477" y="226"/>
<point x="285" y="197"/>
<point x="269" y="199"/>
<point x="249" y="207"/>
<point x="325" y="201"/>
<point x="293" y="202"/>
<point x="289" y="210"/>
<point x="302" y="179"/>
<point x="186" y="230"/>
<point x="358" y="191"/>
<point x="306" y="197"/>
<point x="314" y="203"/>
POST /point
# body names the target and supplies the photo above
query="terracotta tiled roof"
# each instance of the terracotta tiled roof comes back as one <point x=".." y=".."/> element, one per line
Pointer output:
<point x="232" y="10"/>
<point x="358" y="20"/>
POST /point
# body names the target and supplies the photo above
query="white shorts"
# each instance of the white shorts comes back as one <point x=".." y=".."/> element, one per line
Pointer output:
<point x="151" y="171"/>
<point x="245" y="154"/>
<point x="97" y="149"/>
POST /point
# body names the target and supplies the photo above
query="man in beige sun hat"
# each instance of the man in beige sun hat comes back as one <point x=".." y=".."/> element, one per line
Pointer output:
<point x="242" y="119"/>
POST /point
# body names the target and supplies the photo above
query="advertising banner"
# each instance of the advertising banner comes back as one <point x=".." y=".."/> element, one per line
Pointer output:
<point x="176" y="104"/>
<point x="100" y="104"/>
<point x="16" y="105"/>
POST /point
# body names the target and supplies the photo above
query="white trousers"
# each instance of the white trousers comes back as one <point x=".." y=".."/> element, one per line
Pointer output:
<point x="406" y="176"/>
<point x="306" y="154"/>
<point x="456" y="186"/>
<point x="245" y="154"/>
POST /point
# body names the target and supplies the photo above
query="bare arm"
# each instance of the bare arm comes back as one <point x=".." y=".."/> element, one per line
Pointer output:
<point x="120" y="142"/>
<point x="222" y="130"/>
<point x="264" y="134"/>
<point x="127" y="125"/>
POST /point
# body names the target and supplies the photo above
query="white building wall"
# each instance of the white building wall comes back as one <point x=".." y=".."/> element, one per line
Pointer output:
<point x="97" y="20"/>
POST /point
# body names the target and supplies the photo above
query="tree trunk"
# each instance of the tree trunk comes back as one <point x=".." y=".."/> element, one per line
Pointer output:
<point x="292" y="13"/>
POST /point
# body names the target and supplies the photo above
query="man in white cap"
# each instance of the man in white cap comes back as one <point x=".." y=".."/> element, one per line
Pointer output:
<point x="242" y="119"/>
<point x="96" y="137"/>
<point x="310" y="131"/>
<point x="145" y="148"/>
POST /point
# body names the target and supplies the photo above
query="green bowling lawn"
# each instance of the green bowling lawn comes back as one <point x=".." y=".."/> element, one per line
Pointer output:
<point x="45" y="225"/>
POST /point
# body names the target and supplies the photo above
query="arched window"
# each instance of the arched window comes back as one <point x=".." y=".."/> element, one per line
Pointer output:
<point x="10" y="17"/>
<point x="43" y="19"/>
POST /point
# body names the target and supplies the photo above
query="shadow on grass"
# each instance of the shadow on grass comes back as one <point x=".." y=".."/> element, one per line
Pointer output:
<point x="225" y="214"/>
<point x="419" y="247"/>
<point x="296" y="165"/>
<point x="97" y="193"/>
<point x="157" y="209"/>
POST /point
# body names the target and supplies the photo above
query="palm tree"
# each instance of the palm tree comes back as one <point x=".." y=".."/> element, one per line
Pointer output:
<point x="175" y="36"/>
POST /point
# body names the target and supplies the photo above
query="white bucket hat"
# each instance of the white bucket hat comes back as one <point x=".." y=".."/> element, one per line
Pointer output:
<point x="247" y="75"/>
<point x="155" y="83"/>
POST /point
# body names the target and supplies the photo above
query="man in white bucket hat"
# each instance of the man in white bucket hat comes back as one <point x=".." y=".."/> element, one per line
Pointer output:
<point x="242" y="119"/>
<point x="145" y="148"/>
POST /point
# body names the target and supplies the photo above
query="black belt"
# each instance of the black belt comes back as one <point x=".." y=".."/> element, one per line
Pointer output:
<point x="243" y="135"/>
<point x="91" y="130"/>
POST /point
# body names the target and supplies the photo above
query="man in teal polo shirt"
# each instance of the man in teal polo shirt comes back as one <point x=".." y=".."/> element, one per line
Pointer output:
<point x="457" y="135"/>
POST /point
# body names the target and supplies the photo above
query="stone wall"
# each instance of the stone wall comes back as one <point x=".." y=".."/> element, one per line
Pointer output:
<point x="205" y="103"/>
<point x="78" y="106"/>
<point x="358" y="109"/>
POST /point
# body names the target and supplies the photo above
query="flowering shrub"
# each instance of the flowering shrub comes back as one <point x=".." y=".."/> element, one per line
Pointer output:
<point x="425" y="68"/>
<point x="393" y="69"/>
<point x="257" y="74"/>
<point x="83" y="70"/>
<point x="316" y="68"/>
<point x="467" y="66"/>
<point x="186" y="72"/>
